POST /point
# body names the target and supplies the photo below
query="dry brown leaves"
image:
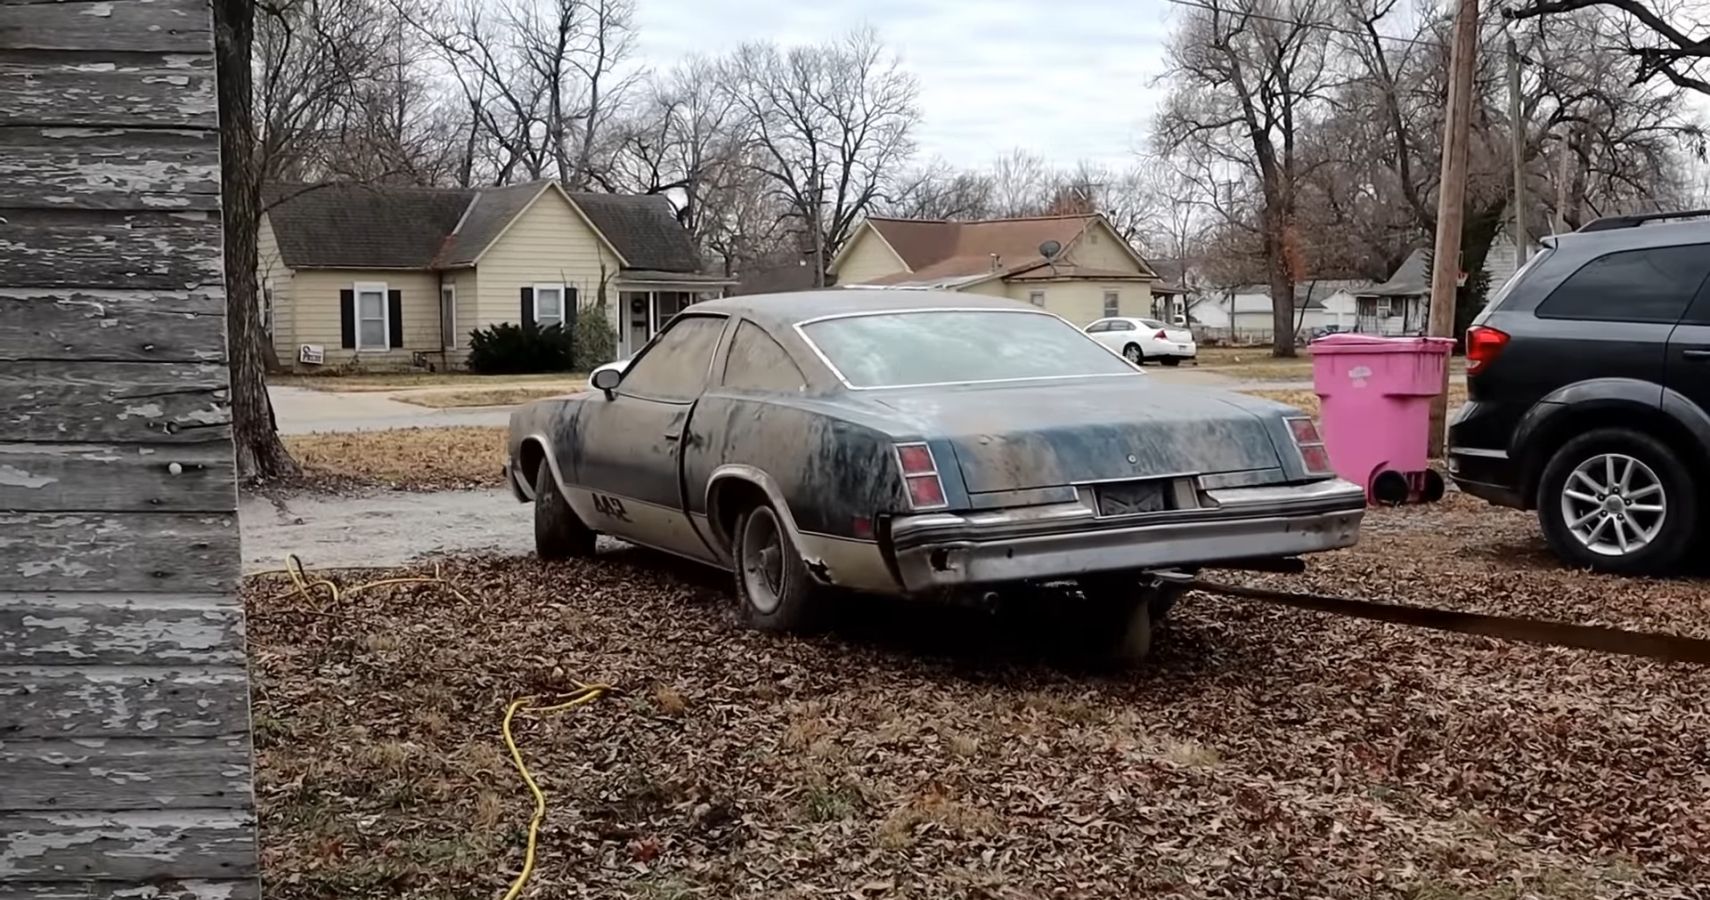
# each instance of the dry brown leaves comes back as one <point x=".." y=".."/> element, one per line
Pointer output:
<point x="414" y="459"/>
<point x="510" y="396"/>
<point x="920" y="751"/>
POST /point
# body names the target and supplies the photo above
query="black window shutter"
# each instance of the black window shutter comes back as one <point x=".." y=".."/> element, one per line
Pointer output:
<point x="569" y="309"/>
<point x="347" y="318"/>
<point x="395" y="318"/>
<point x="527" y="317"/>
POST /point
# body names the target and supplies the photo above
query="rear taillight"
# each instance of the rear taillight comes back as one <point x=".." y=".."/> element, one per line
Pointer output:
<point x="1161" y="336"/>
<point x="920" y="473"/>
<point x="1484" y="344"/>
<point x="1311" y="446"/>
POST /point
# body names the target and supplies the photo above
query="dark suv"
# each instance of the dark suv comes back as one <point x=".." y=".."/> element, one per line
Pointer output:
<point x="1588" y="376"/>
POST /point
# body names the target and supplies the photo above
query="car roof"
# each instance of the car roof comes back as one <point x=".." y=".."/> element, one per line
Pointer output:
<point x="789" y="308"/>
<point x="1662" y="233"/>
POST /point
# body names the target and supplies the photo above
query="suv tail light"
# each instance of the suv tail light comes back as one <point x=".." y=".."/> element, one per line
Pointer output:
<point x="1483" y="346"/>
<point x="1311" y="446"/>
<point x="920" y="473"/>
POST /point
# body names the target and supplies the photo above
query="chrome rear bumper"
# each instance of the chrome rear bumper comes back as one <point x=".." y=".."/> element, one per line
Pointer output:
<point x="1068" y="539"/>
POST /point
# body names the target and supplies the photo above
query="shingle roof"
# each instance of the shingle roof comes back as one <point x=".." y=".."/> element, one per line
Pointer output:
<point x="643" y="228"/>
<point x="361" y="226"/>
<point x="358" y="226"/>
<point x="486" y="218"/>
<point x="950" y="251"/>
<point x="1412" y="277"/>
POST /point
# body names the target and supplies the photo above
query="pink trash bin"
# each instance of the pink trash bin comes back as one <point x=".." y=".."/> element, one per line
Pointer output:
<point x="1375" y="410"/>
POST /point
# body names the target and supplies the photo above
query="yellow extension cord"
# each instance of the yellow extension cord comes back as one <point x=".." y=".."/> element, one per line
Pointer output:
<point x="584" y="693"/>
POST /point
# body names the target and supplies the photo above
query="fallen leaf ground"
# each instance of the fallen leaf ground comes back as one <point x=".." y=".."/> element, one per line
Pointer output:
<point x="934" y="752"/>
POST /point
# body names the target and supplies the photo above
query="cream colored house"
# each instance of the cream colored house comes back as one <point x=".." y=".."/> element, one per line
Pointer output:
<point x="380" y="277"/>
<point x="1092" y="274"/>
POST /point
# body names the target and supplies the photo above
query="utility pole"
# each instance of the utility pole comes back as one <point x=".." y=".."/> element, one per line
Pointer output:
<point x="1517" y="142"/>
<point x="1451" y="200"/>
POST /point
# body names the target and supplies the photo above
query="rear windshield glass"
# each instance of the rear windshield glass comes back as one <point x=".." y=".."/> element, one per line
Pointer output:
<point x="1151" y="323"/>
<point x="956" y="346"/>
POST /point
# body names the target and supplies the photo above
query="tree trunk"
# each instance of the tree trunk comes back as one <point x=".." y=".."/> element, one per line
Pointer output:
<point x="1282" y="288"/>
<point x="259" y="451"/>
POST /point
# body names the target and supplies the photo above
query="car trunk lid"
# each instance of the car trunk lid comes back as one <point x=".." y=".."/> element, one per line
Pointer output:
<point x="1050" y="433"/>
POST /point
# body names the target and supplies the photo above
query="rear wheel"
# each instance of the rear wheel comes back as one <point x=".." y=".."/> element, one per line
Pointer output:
<point x="1120" y="616"/>
<point x="1618" y="501"/>
<point x="1134" y="354"/>
<point x="558" y="532"/>
<point x="772" y="584"/>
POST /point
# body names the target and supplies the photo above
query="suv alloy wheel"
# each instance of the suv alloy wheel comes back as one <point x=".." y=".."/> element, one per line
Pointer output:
<point x="1618" y="501"/>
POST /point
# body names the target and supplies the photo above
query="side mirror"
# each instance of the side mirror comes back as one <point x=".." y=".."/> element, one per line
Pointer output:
<point x="605" y="380"/>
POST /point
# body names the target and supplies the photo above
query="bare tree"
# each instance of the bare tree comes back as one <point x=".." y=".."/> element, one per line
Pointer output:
<point x="937" y="190"/>
<point x="1650" y="35"/>
<point x="1021" y="184"/>
<point x="829" y="124"/>
<point x="1249" y="78"/>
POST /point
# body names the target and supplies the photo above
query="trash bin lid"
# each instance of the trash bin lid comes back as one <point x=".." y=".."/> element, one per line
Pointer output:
<point x="1371" y="343"/>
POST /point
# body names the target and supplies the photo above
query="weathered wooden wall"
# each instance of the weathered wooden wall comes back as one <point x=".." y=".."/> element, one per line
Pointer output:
<point x="124" y="721"/>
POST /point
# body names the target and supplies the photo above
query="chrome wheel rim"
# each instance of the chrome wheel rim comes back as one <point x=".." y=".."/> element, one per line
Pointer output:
<point x="1132" y="352"/>
<point x="1614" y="504"/>
<point x="763" y="561"/>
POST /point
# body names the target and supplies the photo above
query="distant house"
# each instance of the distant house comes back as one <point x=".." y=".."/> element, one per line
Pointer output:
<point x="1244" y="311"/>
<point x="380" y="277"/>
<point x="1402" y="304"/>
<point x="1094" y="273"/>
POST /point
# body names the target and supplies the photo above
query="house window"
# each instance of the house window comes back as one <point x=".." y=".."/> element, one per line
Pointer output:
<point x="267" y="308"/>
<point x="1037" y="298"/>
<point x="371" y="324"/>
<point x="548" y="304"/>
<point x="448" y="316"/>
<point x="1112" y="306"/>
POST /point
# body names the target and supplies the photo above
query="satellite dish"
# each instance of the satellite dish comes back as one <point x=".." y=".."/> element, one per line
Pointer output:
<point x="1050" y="249"/>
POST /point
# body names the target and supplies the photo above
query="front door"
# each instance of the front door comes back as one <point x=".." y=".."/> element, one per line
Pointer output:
<point x="631" y="465"/>
<point x="1688" y="367"/>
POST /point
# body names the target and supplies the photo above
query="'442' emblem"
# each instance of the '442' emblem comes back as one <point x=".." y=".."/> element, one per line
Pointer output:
<point x="610" y="507"/>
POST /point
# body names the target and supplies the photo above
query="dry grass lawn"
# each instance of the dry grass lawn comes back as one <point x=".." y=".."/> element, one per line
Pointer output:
<point x="416" y="459"/>
<point x="920" y="751"/>
<point x="1257" y="364"/>
<point x="1307" y="401"/>
<point x="503" y="396"/>
<point x="376" y="382"/>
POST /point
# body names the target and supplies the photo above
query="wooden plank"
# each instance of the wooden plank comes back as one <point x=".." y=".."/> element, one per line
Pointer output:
<point x="120" y="701"/>
<point x="119" y="551"/>
<point x="141" y="326"/>
<point x="118" y="478"/>
<point x="159" y="26"/>
<point x="108" y="168"/>
<point x="120" y="629"/>
<point x="247" y="889"/>
<point x="98" y="248"/>
<point x="133" y="846"/>
<point x="127" y="773"/>
<point x="154" y="90"/>
<point x="81" y="401"/>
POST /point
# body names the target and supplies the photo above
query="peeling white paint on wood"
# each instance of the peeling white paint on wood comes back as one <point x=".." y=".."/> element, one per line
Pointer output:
<point x="156" y="890"/>
<point x="105" y="477"/>
<point x="119" y="551"/>
<point x="59" y="401"/>
<point x="129" y="773"/>
<point x="191" y="843"/>
<point x="70" y="702"/>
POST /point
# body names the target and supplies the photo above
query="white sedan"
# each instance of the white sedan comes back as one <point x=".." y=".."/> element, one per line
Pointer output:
<point x="1144" y="340"/>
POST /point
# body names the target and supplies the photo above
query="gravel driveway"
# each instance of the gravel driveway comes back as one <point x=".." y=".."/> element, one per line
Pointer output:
<point x="383" y="528"/>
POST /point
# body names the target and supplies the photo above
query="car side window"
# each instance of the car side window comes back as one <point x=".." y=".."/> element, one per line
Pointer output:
<point x="1098" y="327"/>
<point x="1122" y="326"/>
<point x="1650" y="285"/>
<point x="758" y="363"/>
<point x="674" y="368"/>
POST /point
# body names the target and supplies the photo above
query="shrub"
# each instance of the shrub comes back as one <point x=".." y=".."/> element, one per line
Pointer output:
<point x="507" y="349"/>
<point x="594" y="339"/>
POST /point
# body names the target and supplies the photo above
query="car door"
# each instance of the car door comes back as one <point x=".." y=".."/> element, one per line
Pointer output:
<point x="1100" y="331"/>
<point x="631" y="441"/>
<point x="1688" y="366"/>
<point x="1122" y="333"/>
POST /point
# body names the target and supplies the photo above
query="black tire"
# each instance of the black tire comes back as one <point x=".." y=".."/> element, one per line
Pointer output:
<point x="1673" y="534"/>
<point x="1120" y="615"/>
<point x="773" y="589"/>
<point x="1171" y="360"/>
<point x="558" y="532"/>
<point x="1134" y="354"/>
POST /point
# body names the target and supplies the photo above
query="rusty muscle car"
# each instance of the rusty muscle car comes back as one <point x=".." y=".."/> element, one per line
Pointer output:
<point x="921" y="444"/>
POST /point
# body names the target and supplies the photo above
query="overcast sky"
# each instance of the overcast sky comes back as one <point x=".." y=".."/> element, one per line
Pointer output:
<point x="1068" y="79"/>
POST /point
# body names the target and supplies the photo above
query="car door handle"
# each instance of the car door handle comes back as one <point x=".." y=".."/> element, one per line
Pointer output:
<point x="1699" y="355"/>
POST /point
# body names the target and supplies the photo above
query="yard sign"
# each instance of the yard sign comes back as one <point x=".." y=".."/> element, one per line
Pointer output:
<point x="124" y="722"/>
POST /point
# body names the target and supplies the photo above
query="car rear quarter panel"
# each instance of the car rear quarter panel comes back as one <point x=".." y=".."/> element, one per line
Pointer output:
<point x="829" y="466"/>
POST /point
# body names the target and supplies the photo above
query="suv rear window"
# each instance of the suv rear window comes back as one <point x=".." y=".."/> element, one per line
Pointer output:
<point x="1649" y="285"/>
